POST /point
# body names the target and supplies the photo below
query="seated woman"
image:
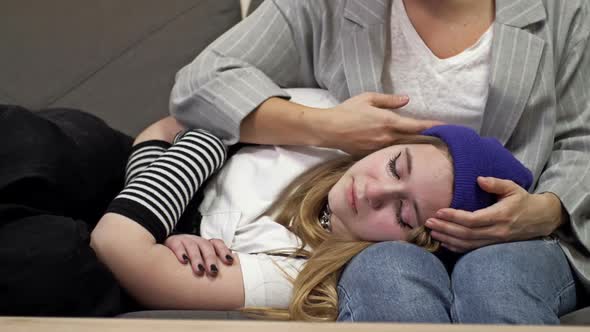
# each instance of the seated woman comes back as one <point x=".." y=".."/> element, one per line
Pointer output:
<point x="288" y="252"/>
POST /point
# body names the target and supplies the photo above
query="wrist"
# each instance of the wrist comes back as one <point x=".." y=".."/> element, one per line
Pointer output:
<point x="557" y="213"/>
<point x="318" y="122"/>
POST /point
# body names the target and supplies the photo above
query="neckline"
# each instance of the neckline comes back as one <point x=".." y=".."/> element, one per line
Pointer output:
<point x="410" y="31"/>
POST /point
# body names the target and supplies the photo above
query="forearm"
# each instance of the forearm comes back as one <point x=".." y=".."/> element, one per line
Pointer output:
<point x="152" y="274"/>
<point x="163" y="130"/>
<point x="281" y="122"/>
<point x="146" y="211"/>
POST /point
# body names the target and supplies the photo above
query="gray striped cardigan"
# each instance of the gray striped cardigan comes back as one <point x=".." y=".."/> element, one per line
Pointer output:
<point x="538" y="105"/>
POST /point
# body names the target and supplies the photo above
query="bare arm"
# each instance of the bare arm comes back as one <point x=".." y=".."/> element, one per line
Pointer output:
<point x="153" y="275"/>
<point x="359" y="126"/>
<point x="279" y="121"/>
<point x="150" y="271"/>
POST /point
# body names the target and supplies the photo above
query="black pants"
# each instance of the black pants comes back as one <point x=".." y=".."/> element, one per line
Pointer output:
<point x="59" y="169"/>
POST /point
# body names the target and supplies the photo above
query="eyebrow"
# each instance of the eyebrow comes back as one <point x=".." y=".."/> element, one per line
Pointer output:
<point x="414" y="204"/>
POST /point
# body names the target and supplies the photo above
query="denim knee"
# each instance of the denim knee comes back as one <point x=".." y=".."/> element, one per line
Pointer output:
<point x="527" y="282"/>
<point x="394" y="281"/>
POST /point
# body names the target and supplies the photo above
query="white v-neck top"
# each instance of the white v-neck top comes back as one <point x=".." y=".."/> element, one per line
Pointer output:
<point x="452" y="90"/>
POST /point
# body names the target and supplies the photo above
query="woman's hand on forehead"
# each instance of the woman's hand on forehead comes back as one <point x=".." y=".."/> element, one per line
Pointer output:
<point x="516" y="216"/>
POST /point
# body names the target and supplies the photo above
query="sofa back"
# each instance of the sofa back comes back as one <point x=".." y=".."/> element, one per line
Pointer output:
<point x="116" y="59"/>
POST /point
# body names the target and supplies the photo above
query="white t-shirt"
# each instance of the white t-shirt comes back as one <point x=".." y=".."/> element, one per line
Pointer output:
<point x="452" y="90"/>
<point x="244" y="188"/>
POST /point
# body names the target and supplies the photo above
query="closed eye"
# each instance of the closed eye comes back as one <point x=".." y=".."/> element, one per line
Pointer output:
<point x="392" y="165"/>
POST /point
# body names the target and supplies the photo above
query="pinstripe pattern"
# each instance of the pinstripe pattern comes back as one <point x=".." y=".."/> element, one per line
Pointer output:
<point x="538" y="105"/>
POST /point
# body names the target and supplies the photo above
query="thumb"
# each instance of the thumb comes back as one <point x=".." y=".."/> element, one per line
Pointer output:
<point x="388" y="101"/>
<point x="413" y="126"/>
<point x="496" y="186"/>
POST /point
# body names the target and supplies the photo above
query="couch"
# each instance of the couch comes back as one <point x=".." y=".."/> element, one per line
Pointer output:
<point x="115" y="59"/>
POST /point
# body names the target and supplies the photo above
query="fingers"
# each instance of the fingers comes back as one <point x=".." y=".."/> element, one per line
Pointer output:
<point x="414" y="126"/>
<point x="222" y="251"/>
<point x="387" y="101"/>
<point x="461" y="231"/>
<point x="497" y="186"/>
<point x="175" y="244"/>
<point x="458" y="231"/>
<point x="477" y="219"/>
<point x="194" y="254"/>
<point x="458" y="244"/>
<point x="203" y="255"/>
<point x="209" y="256"/>
<point x="402" y="124"/>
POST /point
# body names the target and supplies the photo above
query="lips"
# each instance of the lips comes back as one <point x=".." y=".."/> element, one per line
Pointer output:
<point x="352" y="197"/>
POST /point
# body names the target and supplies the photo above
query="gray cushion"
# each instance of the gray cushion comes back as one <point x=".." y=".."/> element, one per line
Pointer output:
<point x="579" y="317"/>
<point x="116" y="59"/>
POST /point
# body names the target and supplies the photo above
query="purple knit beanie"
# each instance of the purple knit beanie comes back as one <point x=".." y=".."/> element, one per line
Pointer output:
<point x="475" y="156"/>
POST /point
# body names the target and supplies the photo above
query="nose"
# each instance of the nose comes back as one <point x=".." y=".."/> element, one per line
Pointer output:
<point x="378" y="193"/>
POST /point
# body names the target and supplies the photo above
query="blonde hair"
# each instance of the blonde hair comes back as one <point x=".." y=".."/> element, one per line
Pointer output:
<point x="298" y="208"/>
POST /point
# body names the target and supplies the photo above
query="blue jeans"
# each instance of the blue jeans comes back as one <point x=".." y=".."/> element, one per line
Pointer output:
<point x="526" y="282"/>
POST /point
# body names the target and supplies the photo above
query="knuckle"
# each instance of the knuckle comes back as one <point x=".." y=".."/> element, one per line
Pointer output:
<point x="204" y="244"/>
<point x="502" y="233"/>
<point x="369" y="96"/>
<point x="216" y="241"/>
<point x="391" y="120"/>
<point x="504" y="220"/>
<point x="219" y="244"/>
<point x="467" y="234"/>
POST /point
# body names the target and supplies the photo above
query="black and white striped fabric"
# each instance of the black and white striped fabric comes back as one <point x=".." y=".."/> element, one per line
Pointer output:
<point x="156" y="196"/>
<point x="142" y="155"/>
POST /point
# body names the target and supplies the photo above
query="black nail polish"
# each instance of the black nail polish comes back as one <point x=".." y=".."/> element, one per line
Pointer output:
<point x="201" y="268"/>
<point x="229" y="258"/>
<point x="214" y="268"/>
<point x="185" y="258"/>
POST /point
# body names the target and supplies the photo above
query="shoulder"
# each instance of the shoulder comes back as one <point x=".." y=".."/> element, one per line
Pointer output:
<point x="569" y="19"/>
<point x="318" y="9"/>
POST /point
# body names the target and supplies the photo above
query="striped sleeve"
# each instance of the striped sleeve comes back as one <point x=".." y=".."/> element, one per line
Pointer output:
<point x="142" y="155"/>
<point x="157" y="196"/>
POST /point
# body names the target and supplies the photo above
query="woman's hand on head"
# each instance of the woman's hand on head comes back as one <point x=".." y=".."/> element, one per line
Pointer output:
<point x="164" y="129"/>
<point x="366" y="123"/>
<point x="517" y="216"/>
<point x="202" y="254"/>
